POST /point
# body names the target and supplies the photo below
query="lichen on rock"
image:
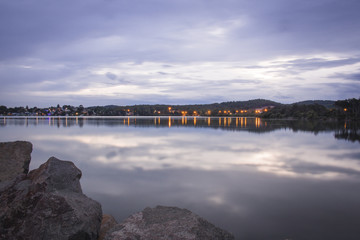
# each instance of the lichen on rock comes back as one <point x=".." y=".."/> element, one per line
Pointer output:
<point x="161" y="223"/>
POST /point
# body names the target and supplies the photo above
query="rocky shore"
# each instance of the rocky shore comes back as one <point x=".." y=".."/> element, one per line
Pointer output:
<point x="48" y="203"/>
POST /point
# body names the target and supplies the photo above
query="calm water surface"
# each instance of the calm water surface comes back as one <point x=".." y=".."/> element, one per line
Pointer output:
<point x="257" y="179"/>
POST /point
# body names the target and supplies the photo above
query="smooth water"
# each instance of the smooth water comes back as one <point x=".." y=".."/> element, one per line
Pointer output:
<point x="257" y="179"/>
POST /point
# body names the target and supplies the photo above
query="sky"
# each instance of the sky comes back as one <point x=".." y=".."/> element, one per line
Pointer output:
<point x="126" y="52"/>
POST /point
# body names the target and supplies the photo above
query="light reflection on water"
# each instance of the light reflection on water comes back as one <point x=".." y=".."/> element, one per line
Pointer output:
<point x="157" y="121"/>
<point x="258" y="179"/>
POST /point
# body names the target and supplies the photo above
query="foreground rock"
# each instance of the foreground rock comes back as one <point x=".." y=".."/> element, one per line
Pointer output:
<point x="14" y="159"/>
<point x="166" y="223"/>
<point x="108" y="222"/>
<point x="48" y="203"/>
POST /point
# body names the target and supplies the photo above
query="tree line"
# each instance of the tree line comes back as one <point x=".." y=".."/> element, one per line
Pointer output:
<point x="348" y="109"/>
<point x="341" y="109"/>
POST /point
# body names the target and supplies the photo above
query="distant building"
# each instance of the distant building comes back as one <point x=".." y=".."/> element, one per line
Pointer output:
<point x="263" y="109"/>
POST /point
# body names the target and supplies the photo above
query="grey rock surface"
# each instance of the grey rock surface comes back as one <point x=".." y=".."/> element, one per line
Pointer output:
<point x="108" y="222"/>
<point x="48" y="204"/>
<point x="14" y="159"/>
<point x="57" y="175"/>
<point x="166" y="223"/>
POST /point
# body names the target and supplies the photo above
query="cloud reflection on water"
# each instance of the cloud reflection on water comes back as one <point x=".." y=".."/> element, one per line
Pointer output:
<point x="277" y="177"/>
<point x="280" y="153"/>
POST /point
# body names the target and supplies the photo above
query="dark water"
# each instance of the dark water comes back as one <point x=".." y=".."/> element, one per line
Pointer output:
<point x="257" y="179"/>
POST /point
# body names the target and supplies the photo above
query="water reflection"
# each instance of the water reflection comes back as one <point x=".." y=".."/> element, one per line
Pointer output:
<point x="342" y="130"/>
<point x="292" y="180"/>
<point x="350" y="132"/>
<point x="279" y="153"/>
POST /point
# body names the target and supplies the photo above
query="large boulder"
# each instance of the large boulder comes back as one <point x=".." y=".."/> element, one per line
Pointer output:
<point x="48" y="204"/>
<point x="14" y="159"/>
<point x="162" y="223"/>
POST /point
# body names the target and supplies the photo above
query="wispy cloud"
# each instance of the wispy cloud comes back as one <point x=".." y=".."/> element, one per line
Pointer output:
<point x="349" y="76"/>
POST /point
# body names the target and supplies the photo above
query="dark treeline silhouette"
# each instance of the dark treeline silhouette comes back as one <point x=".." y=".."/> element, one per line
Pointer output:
<point x="350" y="107"/>
<point x="298" y="111"/>
<point x="214" y="109"/>
<point x="341" y="109"/>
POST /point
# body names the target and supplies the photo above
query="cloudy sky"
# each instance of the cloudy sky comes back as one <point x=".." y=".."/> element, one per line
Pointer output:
<point x="121" y="52"/>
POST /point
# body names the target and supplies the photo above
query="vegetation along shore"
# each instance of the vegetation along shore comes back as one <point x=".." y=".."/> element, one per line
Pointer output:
<point x="324" y="109"/>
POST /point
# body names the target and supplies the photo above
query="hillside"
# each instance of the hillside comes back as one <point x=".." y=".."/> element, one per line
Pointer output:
<point x="325" y="103"/>
<point x="341" y="109"/>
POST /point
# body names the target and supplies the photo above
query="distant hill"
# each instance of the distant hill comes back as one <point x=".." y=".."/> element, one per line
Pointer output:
<point x="302" y="110"/>
<point x="255" y="103"/>
<point x="325" y="103"/>
<point x="190" y="109"/>
<point x="231" y="105"/>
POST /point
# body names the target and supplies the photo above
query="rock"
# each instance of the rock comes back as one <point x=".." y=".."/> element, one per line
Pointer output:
<point x="14" y="159"/>
<point x="48" y="204"/>
<point x="166" y="223"/>
<point x="57" y="175"/>
<point x="107" y="223"/>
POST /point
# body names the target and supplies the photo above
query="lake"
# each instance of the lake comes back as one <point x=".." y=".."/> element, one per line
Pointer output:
<point x="258" y="179"/>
